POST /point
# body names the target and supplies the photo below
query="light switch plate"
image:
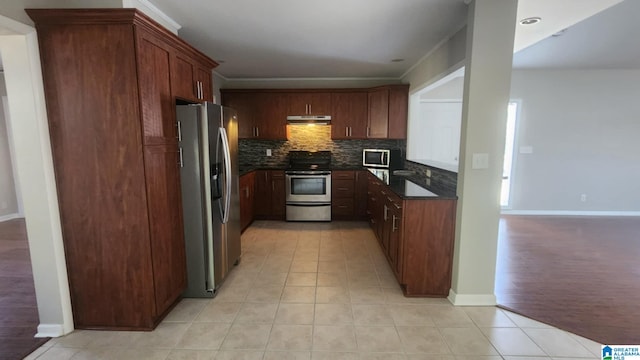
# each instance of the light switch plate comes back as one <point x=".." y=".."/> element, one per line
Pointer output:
<point x="480" y="161"/>
<point x="268" y="152"/>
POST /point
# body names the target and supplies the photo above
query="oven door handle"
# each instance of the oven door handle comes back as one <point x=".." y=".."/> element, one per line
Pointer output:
<point x="309" y="175"/>
<point x="308" y="204"/>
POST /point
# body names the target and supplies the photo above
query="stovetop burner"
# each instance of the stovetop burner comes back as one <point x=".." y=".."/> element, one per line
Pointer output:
<point x="309" y="160"/>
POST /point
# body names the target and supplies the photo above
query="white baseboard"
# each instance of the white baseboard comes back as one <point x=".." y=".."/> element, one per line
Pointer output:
<point x="50" y="330"/>
<point x="10" y="217"/>
<point x="472" y="299"/>
<point x="569" y="213"/>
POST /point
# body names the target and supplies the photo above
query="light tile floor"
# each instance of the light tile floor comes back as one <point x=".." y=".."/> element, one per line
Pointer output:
<point x="323" y="291"/>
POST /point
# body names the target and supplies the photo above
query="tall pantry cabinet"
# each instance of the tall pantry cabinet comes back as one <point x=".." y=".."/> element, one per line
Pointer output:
<point x="110" y="98"/>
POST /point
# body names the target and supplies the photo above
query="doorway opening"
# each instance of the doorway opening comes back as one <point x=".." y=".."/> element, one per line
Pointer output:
<point x="508" y="165"/>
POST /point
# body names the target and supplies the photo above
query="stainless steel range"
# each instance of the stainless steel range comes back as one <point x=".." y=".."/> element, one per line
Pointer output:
<point x="308" y="185"/>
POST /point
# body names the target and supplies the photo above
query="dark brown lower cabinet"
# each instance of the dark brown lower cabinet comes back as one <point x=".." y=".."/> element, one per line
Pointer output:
<point x="416" y="236"/>
<point x="349" y="194"/>
<point x="270" y="195"/>
<point x="247" y="195"/>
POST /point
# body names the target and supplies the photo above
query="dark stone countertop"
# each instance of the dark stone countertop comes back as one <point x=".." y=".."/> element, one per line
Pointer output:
<point x="415" y="187"/>
<point x="406" y="187"/>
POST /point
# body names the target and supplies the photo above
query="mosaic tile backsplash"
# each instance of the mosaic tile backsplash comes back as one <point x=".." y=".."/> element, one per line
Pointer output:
<point x="310" y="138"/>
<point x="439" y="177"/>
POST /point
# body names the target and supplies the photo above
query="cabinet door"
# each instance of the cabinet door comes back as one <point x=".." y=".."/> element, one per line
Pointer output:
<point x="246" y="200"/>
<point x="183" y="74"/>
<point x="342" y="188"/>
<point x="394" y="240"/>
<point x="204" y="77"/>
<point x="398" y="109"/>
<point x="313" y="103"/>
<point x="245" y="106"/>
<point x="360" y="205"/>
<point x="271" y="117"/>
<point x="157" y="105"/>
<point x="378" y="114"/>
<point x="263" y="194"/>
<point x="162" y="176"/>
<point x="278" y="194"/>
<point x="349" y="115"/>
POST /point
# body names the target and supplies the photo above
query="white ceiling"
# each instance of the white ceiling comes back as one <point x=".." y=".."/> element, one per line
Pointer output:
<point x="328" y="38"/>
<point x="607" y="40"/>
<point x="353" y="38"/>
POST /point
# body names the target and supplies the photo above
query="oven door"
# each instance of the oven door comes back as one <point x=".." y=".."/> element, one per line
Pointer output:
<point x="308" y="188"/>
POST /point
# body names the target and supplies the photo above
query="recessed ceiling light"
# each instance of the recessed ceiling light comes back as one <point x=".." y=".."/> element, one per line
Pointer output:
<point x="530" y="20"/>
<point x="397" y="60"/>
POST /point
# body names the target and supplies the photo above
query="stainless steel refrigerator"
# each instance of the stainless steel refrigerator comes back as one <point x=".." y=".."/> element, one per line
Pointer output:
<point x="208" y="138"/>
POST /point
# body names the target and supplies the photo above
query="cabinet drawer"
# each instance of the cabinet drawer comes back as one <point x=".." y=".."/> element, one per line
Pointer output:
<point x="343" y="175"/>
<point x="342" y="207"/>
<point x="342" y="189"/>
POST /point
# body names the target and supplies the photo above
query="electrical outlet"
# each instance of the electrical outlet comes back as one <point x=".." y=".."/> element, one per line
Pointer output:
<point x="583" y="197"/>
<point x="268" y="152"/>
<point x="428" y="173"/>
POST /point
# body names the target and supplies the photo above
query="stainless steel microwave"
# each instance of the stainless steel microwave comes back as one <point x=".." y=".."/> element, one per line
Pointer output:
<point x="382" y="158"/>
<point x="375" y="158"/>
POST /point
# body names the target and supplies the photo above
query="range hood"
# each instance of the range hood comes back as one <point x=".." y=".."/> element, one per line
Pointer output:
<point x="309" y="119"/>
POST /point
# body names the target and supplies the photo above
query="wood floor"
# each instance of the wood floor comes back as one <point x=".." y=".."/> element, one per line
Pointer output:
<point x="579" y="274"/>
<point x="18" y="309"/>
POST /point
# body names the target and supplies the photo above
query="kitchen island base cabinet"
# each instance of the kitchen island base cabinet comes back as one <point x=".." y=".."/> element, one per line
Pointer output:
<point x="427" y="247"/>
<point x="416" y="236"/>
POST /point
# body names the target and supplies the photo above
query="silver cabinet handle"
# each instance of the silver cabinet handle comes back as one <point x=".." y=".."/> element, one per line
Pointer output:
<point x="257" y="131"/>
<point x="368" y="131"/>
<point x="350" y="131"/>
<point x="180" y="160"/>
<point x="393" y="224"/>
<point x="346" y="131"/>
<point x="310" y="109"/>
<point x="179" y="125"/>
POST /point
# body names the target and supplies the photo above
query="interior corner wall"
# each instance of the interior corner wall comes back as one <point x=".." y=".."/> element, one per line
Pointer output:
<point x="442" y="61"/>
<point x="218" y="83"/>
<point x="583" y="127"/>
<point x="8" y="198"/>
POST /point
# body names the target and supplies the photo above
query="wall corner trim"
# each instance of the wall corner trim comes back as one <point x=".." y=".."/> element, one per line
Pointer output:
<point x="472" y="299"/>
<point x="50" y="330"/>
<point x="10" y="217"/>
<point x="569" y="213"/>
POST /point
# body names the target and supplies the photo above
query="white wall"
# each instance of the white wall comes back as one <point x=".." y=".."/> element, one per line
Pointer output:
<point x="484" y="115"/>
<point x="15" y="8"/>
<point x="584" y="129"/>
<point x="8" y="198"/>
<point x="443" y="60"/>
<point x="34" y="168"/>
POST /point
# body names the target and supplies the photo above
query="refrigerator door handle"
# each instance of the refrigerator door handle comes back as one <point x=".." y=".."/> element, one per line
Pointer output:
<point x="222" y="138"/>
